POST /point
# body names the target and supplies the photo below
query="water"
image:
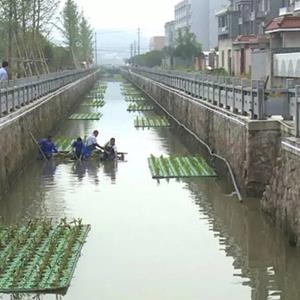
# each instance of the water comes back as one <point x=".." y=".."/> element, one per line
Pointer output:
<point x="153" y="239"/>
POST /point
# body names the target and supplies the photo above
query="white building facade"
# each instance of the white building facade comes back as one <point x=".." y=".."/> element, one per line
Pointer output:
<point x="170" y="37"/>
<point x="199" y="17"/>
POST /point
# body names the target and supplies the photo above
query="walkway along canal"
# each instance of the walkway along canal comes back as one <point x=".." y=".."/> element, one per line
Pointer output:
<point x="168" y="240"/>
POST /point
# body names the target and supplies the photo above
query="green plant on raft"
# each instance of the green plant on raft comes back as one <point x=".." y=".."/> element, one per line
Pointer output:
<point x="156" y="165"/>
<point x="166" y="168"/>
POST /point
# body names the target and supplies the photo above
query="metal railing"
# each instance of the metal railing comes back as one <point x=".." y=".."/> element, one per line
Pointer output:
<point x="15" y="94"/>
<point x="242" y="97"/>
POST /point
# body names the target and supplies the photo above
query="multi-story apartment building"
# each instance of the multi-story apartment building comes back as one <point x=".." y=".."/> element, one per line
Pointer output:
<point x="170" y="34"/>
<point x="199" y="17"/>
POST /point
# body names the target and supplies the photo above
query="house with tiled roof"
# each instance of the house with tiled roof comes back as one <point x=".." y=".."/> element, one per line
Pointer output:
<point x="241" y="25"/>
<point x="283" y="33"/>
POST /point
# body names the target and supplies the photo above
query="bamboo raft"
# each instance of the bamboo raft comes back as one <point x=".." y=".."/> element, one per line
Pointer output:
<point x="88" y="116"/>
<point x="95" y="96"/>
<point x="139" y="107"/>
<point x="40" y="256"/>
<point x="151" y="122"/>
<point x="94" y="103"/>
<point x="134" y="99"/>
<point x="65" y="151"/>
<point x="179" y="167"/>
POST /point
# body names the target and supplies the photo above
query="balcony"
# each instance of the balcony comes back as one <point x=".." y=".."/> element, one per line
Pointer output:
<point x="284" y="11"/>
<point x="261" y="14"/>
<point x="297" y="6"/>
<point x="223" y="30"/>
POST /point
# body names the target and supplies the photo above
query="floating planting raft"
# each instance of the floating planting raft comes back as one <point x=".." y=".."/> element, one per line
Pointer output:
<point x="94" y="103"/>
<point x="139" y="107"/>
<point x="134" y="98"/>
<point x="97" y="96"/>
<point x="89" y="116"/>
<point x="151" y="122"/>
<point x="63" y="144"/>
<point x="39" y="256"/>
<point x="132" y="93"/>
<point x="179" y="167"/>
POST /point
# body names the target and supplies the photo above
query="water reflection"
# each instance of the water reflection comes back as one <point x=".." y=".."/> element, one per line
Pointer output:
<point x="261" y="256"/>
<point x="49" y="168"/>
<point x="110" y="169"/>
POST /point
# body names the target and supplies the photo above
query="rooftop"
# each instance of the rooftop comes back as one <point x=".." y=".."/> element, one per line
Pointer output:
<point x="284" y="23"/>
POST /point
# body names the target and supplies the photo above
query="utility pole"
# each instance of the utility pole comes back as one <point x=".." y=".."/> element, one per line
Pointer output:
<point x="139" y="41"/>
<point x="131" y="51"/>
<point x="134" y="48"/>
<point x="96" y="47"/>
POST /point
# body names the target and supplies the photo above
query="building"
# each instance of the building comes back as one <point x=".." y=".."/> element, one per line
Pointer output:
<point x="284" y="35"/>
<point x="157" y="43"/>
<point x="199" y="17"/>
<point x="227" y="32"/>
<point x="214" y="7"/>
<point x="170" y="38"/>
<point x="241" y="29"/>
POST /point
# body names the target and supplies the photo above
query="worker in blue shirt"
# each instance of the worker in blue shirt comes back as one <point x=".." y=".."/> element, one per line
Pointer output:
<point x="79" y="149"/>
<point x="47" y="147"/>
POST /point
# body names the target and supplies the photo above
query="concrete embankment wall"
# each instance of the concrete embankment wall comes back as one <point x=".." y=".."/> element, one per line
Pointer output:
<point x="40" y="118"/>
<point x="250" y="147"/>
<point x="281" y="199"/>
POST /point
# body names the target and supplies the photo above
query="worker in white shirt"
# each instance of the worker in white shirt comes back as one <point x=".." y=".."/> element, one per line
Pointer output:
<point x="91" y="141"/>
<point x="3" y="71"/>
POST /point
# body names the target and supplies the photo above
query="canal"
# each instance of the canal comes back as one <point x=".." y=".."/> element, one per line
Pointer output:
<point x="164" y="240"/>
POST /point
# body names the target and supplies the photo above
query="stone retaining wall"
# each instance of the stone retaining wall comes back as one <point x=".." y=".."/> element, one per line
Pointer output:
<point x="281" y="199"/>
<point x="250" y="146"/>
<point x="40" y="118"/>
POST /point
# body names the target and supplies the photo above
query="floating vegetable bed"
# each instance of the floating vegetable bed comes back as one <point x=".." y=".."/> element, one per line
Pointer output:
<point x="94" y="103"/>
<point x="97" y="96"/>
<point x="179" y="167"/>
<point x="63" y="144"/>
<point x="39" y="256"/>
<point x="151" y="122"/>
<point x="139" y="107"/>
<point x="134" y="98"/>
<point x="89" y="116"/>
<point x="132" y="94"/>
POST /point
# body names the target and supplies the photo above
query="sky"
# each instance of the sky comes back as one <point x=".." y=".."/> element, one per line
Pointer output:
<point x="128" y="15"/>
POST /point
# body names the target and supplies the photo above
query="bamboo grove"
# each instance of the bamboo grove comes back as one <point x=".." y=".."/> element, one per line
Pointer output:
<point x="28" y="29"/>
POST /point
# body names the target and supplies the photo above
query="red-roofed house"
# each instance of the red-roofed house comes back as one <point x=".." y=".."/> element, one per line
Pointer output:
<point x="284" y="35"/>
<point x="243" y="46"/>
<point x="284" y="32"/>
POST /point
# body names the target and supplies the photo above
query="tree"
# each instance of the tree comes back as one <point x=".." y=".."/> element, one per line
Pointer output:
<point x="24" y="24"/>
<point x="150" y="59"/>
<point x="187" y="46"/>
<point x="71" y="24"/>
<point x="86" y="40"/>
<point x="169" y="52"/>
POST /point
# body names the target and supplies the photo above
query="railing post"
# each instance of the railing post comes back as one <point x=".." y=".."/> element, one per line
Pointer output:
<point x="297" y="114"/>
<point x="261" y="100"/>
<point x="6" y="100"/>
<point x="13" y="99"/>
<point x="1" y="102"/>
